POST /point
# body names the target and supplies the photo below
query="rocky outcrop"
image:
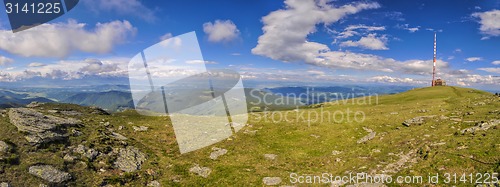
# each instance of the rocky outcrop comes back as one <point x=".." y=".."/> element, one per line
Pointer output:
<point x="40" y="128"/>
<point x="416" y="120"/>
<point x="118" y="136"/>
<point x="91" y="154"/>
<point x="271" y="181"/>
<point x="4" y="147"/>
<point x="481" y="127"/>
<point x="130" y="159"/>
<point x="217" y="152"/>
<point x="5" y="150"/>
<point x="201" y="171"/>
<point x="370" y="136"/>
<point x="50" y="174"/>
<point x="270" y="156"/>
<point x="140" y="128"/>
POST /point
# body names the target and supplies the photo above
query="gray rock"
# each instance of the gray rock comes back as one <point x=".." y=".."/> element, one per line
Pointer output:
<point x="217" y="152"/>
<point x="140" y="129"/>
<point x="4" y="184"/>
<point x="52" y="111"/>
<point x="49" y="173"/>
<point x="414" y="121"/>
<point x="154" y="184"/>
<point x="4" y="147"/>
<point x="70" y="113"/>
<point x="39" y="128"/>
<point x="91" y="154"/>
<point x="76" y="133"/>
<point x="367" y="137"/>
<point x="33" y="104"/>
<point x="335" y="152"/>
<point x="481" y="127"/>
<point x="201" y="171"/>
<point x="271" y="181"/>
<point x="69" y="158"/>
<point x="118" y="136"/>
<point x="270" y="156"/>
<point x="129" y="159"/>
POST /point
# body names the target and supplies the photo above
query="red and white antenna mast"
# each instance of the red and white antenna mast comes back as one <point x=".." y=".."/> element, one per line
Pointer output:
<point x="434" y="67"/>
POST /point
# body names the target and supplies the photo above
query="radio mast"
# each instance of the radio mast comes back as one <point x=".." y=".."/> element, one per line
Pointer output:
<point x="434" y="67"/>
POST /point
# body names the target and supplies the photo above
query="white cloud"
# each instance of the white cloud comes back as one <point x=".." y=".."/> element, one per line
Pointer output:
<point x="351" y="30"/>
<point x="368" y="42"/>
<point x="496" y="62"/>
<point x="457" y="50"/>
<point x="200" y="62"/>
<point x="5" y="61"/>
<point x="473" y="59"/>
<point x="286" y="30"/>
<point x="68" y="70"/>
<point x="490" y="24"/>
<point x="411" y="29"/>
<point x="122" y="7"/>
<point x="490" y="70"/>
<point x="61" y="39"/>
<point x="422" y="67"/>
<point x="389" y="79"/>
<point x="221" y="31"/>
<point x="36" y="64"/>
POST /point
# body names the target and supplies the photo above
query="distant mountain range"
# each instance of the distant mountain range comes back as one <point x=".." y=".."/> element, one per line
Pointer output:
<point x="112" y="100"/>
<point x="118" y="97"/>
<point x="10" y="99"/>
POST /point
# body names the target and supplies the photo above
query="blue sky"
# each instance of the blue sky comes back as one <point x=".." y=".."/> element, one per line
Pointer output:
<point x="299" y="42"/>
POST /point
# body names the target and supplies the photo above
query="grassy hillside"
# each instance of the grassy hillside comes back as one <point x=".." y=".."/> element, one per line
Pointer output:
<point x="378" y="143"/>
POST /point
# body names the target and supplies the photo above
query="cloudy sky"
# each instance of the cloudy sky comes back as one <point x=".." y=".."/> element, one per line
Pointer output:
<point x="298" y="41"/>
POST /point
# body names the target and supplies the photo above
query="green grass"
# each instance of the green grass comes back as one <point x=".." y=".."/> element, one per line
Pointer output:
<point x="296" y="143"/>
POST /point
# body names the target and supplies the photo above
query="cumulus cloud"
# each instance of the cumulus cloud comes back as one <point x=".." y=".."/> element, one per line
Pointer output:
<point x="353" y="30"/>
<point x="410" y="29"/>
<point x="473" y="59"/>
<point x="5" y="61"/>
<point x="221" y="31"/>
<point x="286" y="30"/>
<point x="68" y="70"/>
<point x="496" y="62"/>
<point x="61" y="39"/>
<point x="389" y="79"/>
<point x="200" y="62"/>
<point x="471" y="79"/>
<point x="123" y="7"/>
<point x="371" y="42"/>
<point x="490" y="70"/>
<point x="36" y="64"/>
<point x="490" y="24"/>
